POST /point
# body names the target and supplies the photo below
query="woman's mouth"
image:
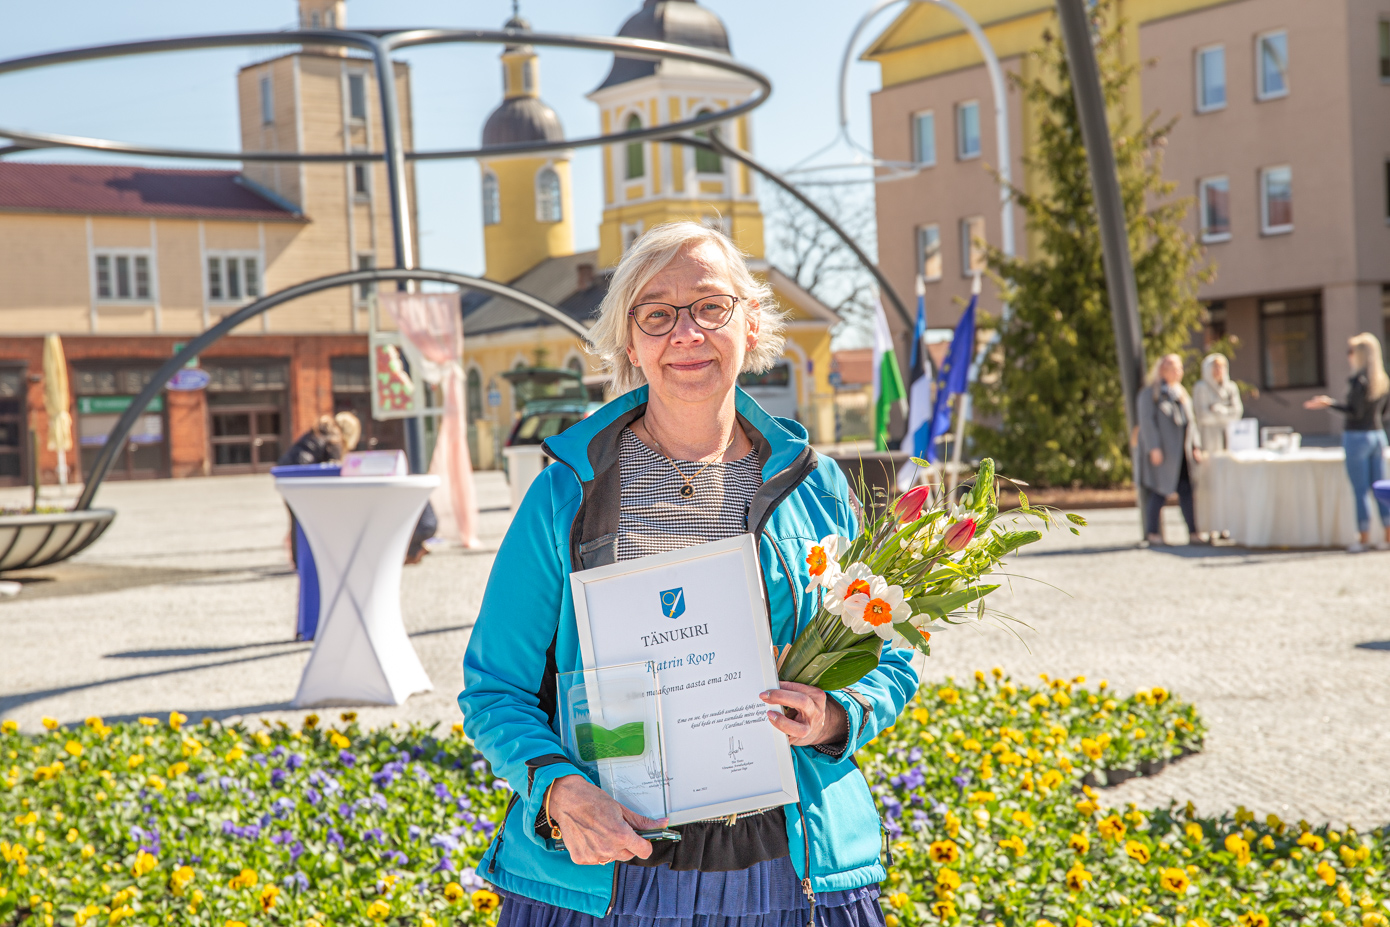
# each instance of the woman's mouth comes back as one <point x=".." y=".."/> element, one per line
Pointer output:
<point x="690" y="366"/>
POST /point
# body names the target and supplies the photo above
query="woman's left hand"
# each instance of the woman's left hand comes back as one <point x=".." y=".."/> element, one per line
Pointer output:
<point x="810" y="717"/>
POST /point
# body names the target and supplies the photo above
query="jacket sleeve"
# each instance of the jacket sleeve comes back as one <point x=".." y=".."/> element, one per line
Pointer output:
<point x="1149" y="438"/>
<point x="1355" y="406"/>
<point x="510" y="655"/>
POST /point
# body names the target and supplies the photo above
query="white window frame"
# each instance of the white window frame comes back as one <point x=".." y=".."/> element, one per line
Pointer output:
<point x="923" y="266"/>
<point x="131" y="255"/>
<point x="1202" y="186"/>
<point x="961" y="154"/>
<point x="1261" y="94"/>
<point x="630" y="232"/>
<point x="917" y="138"/>
<point x="1265" y="227"/>
<point x="267" y="101"/>
<point x="491" y="199"/>
<point x="361" y="77"/>
<point x="361" y="169"/>
<point x="544" y="200"/>
<point x="967" y="245"/>
<point x="248" y="289"/>
<point x="1199" y="73"/>
<point x="528" y="75"/>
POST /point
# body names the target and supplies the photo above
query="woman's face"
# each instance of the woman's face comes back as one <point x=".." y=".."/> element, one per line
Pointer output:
<point x="691" y="364"/>
<point x="1218" y="372"/>
<point x="1171" y="371"/>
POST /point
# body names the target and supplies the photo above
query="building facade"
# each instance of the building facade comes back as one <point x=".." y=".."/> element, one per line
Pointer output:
<point x="127" y="263"/>
<point x="529" y="236"/>
<point x="1282" y="143"/>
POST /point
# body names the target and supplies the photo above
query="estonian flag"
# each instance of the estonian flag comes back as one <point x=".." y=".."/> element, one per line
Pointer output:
<point x="918" y="393"/>
<point x="951" y="379"/>
<point x="888" y="379"/>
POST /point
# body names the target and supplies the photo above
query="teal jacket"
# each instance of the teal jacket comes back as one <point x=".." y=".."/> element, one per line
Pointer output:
<point x="526" y="632"/>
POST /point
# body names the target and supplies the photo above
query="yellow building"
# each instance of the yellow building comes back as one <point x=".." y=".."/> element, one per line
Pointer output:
<point x="529" y="234"/>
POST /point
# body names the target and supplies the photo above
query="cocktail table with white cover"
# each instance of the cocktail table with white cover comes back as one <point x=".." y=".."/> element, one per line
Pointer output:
<point x="1271" y="499"/>
<point x="359" y="529"/>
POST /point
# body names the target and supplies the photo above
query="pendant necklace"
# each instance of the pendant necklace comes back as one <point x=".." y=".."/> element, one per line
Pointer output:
<point x="688" y="489"/>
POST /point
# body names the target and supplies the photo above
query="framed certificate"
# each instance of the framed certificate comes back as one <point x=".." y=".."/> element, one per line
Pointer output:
<point x="699" y="616"/>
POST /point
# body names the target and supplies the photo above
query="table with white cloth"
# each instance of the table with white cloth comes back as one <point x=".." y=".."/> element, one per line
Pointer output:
<point x="358" y="529"/>
<point x="1273" y="499"/>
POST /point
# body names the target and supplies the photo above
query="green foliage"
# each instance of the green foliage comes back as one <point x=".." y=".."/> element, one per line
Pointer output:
<point x="1052" y="391"/>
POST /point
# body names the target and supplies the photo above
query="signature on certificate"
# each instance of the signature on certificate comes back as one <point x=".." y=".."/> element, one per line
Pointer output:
<point x="735" y="748"/>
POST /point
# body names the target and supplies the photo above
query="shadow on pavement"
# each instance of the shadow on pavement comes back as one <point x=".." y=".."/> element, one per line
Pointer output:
<point x="188" y="651"/>
<point x="1374" y="645"/>
<point x="65" y="579"/>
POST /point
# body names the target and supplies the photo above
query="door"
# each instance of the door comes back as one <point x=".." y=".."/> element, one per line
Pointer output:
<point x="14" y="430"/>
<point x="104" y="391"/>
<point x="245" y="439"/>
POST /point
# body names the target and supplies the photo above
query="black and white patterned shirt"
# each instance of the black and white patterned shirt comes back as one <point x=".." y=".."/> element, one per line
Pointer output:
<point x="655" y="518"/>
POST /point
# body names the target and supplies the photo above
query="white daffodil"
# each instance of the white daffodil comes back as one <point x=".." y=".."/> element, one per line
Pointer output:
<point x="824" y="561"/>
<point x="924" y="625"/>
<point x="854" y="580"/>
<point x="876" y="610"/>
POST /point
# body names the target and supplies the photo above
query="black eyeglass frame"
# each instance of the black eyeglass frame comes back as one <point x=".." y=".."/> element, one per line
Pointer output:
<point x="690" y="308"/>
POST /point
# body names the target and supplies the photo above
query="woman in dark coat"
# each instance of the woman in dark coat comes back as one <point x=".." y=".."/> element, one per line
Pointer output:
<point x="1169" y="442"/>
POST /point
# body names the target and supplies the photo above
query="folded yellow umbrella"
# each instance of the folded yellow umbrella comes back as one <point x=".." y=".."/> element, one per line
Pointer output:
<point x="56" y="401"/>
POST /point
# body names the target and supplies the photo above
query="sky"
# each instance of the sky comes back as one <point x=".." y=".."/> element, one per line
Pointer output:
<point x="188" y="98"/>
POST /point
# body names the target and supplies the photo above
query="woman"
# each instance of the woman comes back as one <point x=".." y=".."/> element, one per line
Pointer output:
<point x="681" y="457"/>
<point x="1363" y="435"/>
<point x="1215" y="403"/>
<point x="1169" y="443"/>
<point x="351" y="429"/>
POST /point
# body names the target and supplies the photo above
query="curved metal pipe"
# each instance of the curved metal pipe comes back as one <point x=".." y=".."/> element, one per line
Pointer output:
<point x="116" y="439"/>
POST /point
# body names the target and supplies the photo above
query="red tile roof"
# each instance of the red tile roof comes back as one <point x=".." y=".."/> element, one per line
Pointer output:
<point x="101" y="189"/>
<point x="855" y="366"/>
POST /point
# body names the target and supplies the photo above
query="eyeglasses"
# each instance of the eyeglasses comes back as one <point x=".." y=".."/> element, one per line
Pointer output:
<point x="709" y="312"/>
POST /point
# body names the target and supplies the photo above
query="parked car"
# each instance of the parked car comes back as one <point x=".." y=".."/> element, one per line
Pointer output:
<point x="552" y="400"/>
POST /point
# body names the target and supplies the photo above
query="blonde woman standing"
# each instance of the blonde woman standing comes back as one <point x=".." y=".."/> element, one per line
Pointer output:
<point x="1363" y="437"/>
<point x="1169" y="444"/>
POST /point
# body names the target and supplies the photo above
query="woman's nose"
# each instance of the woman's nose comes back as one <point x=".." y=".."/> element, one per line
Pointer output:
<point x="686" y="331"/>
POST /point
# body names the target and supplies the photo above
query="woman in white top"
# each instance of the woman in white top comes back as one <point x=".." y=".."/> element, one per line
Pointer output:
<point x="1215" y="404"/>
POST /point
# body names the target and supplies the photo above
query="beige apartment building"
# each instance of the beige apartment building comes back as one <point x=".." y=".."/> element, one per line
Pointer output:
<point x="1282" y="143"/>
<point x="127" y="263"/>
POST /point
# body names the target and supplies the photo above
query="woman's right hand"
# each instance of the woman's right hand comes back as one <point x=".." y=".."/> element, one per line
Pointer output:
<point x="597" y="830"/>
<point x="1156" y="457"/>
<point x="1319" y="402"/>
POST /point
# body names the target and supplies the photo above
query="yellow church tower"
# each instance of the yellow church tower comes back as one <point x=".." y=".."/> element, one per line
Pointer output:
<point x="527" y="210"/>
<point x="645" y="183"/>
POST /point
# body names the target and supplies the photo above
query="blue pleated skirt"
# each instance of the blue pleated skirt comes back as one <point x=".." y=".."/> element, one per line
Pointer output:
<point x="766" y="894"/>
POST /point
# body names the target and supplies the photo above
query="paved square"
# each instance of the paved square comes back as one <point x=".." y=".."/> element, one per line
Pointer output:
<point x="188" y="603"/>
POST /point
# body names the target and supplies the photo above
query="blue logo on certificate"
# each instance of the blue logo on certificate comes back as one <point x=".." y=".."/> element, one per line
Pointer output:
<point x="673" y="603"/>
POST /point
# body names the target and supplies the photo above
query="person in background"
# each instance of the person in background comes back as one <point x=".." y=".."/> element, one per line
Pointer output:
<point x="1169" y="445"/>
<point x="1363" y="435"/>
<point x="1216" y="404"/>
<point x="320" y="444"/>
<point x="350" y="428"/>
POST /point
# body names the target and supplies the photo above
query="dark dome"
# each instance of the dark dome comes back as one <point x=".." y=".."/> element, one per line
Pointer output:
<point x="522" y="119"/>
<point x="681" y="22"/>
<point x="517" y="22"/>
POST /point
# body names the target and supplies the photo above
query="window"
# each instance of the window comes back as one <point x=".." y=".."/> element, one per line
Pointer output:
<point x="361" y="174"/>
<point x="929" y="252"/>
<point x="968" y="130"/>
<point x="1272" y="65"/>
<point x="1385" y="313"/>
<point x="924" y="138"/>
<point x="548" y="206"/>
<point x="366" y="289"/>
<point x="233" y="276"/>
<point x="357" y="96"/>
<point x="630" y="231"/>
<point x="972" y="245"/>
<point x="1385" y="50"/>
<point x="1276" y="200"/>
<point x="1291" y="341"/>
<point x="636" y="153"/>
<point x="267" y="102"/>
<point x="492" y="200"/>
<point x="706" y="162"/>
<point x="1215" y="327"/>
<point x="1211" y="78"/>
<point x="123" y="275"/>
<point x="474" y="392"/>
<point x="1214" y="195"/>
<point x="528" y="75"/>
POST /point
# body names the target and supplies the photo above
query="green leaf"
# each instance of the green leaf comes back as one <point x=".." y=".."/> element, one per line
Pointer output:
<point x="938" y="606"/>
<point x="1076" y="519"/>
<point x="842" y="668"/>
<point x="914" y="637"/>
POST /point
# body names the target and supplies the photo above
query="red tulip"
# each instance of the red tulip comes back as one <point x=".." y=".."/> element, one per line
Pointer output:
<point x="959" y="534"/>
<point x="909" y="505"/>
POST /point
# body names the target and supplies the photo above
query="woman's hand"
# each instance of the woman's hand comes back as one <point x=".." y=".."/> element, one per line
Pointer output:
<point x="597" y="830"/>
<point x="1318" y="402"/>
<point x="810" y="717"/>
<point x="1198" y="455"/>
<point x="1156" y="457"/>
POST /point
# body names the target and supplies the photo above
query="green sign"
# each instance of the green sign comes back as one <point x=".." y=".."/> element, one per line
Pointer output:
<point x="106" y="405"/>
<point x="179" y="346"/>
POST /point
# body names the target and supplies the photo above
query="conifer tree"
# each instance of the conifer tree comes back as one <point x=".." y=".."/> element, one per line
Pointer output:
<point x="1050" y="404"/>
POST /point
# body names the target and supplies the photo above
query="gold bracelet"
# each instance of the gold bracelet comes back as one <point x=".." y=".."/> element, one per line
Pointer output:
<point x="554" y="827"/>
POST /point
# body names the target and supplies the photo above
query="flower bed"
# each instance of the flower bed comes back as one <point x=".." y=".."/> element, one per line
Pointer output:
<point x="163" y="822"/>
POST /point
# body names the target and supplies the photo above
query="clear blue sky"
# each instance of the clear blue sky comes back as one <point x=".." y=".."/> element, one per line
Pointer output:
<point x="188" y="99"/>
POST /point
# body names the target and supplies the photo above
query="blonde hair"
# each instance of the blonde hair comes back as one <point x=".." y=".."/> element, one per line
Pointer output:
<point x="351" y="428"/>
<point x="611" y="335"/>
<point x="1366" y="348"/>
<point x="1155" y="379"/>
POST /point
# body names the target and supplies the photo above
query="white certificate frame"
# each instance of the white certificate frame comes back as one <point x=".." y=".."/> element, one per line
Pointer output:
<point x="742" y="554"/>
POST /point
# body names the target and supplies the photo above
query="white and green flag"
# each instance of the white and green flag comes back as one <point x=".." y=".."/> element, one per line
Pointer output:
<point x="888" y="379"/>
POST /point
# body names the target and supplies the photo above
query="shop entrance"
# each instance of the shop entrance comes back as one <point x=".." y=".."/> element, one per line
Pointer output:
<point x="103" y="393"/>
<point x="246" y="413"/>
<point x="14" y="430"/>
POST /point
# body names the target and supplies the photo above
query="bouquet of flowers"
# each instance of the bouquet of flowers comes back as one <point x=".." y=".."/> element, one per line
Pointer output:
<point x="916" y="566"/>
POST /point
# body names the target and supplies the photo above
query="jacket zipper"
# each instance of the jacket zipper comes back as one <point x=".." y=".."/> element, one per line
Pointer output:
<point x="806" y="882"/>
<point x="492" y="864"/>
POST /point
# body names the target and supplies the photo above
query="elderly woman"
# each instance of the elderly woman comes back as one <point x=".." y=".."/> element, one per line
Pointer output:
<point x="1169" y="443"/>
<point x="1215" y="404"/>
<point x="1363" y="435"/>
<point x="681" y="457"/>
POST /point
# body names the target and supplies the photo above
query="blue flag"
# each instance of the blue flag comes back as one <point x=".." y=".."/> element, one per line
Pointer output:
<point x="919" y="405"/>
<point x="950" y="380"/>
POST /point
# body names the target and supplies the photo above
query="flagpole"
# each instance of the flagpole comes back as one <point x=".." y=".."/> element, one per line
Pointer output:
<point x="963" y="410"/>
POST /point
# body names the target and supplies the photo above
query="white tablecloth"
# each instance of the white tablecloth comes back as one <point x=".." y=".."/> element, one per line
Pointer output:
<point x="1268" y="499"/>
<point x="359" y="529"/>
